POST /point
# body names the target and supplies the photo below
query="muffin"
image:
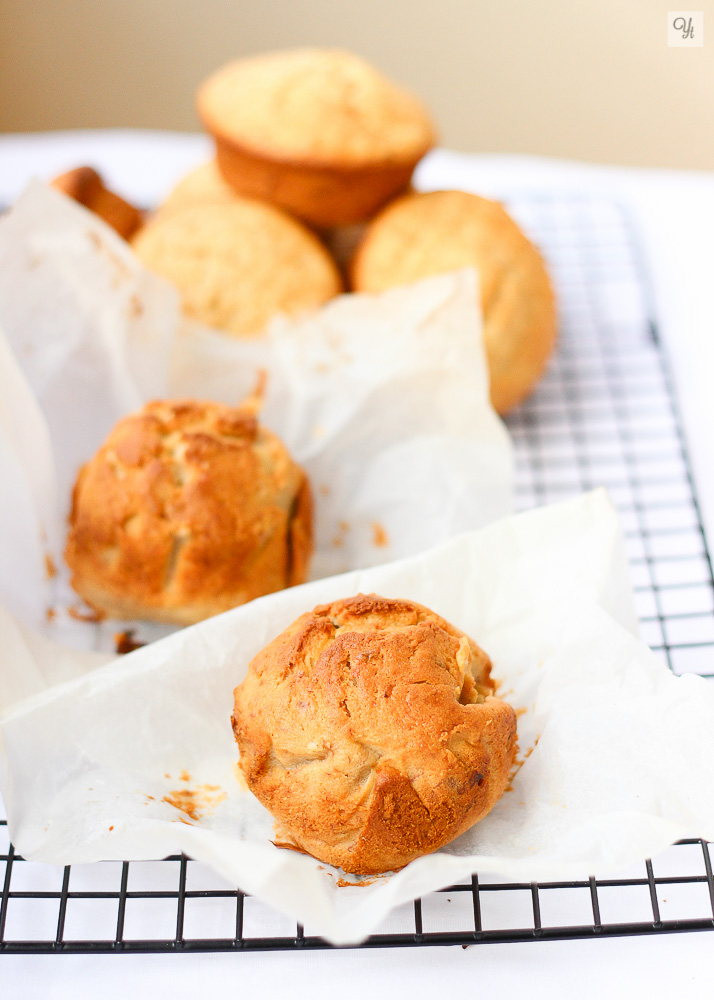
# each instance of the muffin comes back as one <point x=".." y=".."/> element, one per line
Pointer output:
<point x="425" y="234"/>
<point x="84" y="185"/>
<point x="188" y="509"/>
<point x="370" y="730"/>
<point x="204" y="185"/>
<point x="236" y="265"/>
<point x="319" y="132"/>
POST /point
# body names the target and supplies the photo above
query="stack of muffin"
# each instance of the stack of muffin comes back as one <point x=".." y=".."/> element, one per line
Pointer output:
<point x="309" y="194"/>
<point x="190" y="508"/>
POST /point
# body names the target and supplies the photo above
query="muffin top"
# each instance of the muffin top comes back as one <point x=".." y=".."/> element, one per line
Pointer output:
<point x="370" y="730"/>
<point x="316" y="105"/>
<point x="203" y="185"/>
<point x="424" y="234"/>
<point x="237" y="264"/>
<point x="187" y="509"/>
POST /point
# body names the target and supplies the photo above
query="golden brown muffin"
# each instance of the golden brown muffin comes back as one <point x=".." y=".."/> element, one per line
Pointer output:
<point x="204" y="185"/>
<point x="425" y="234"/>
<point x="370" y="730"/>
<point x="187" y="509"/>
<point x="84" y="185"/>
<point x="318" y="131"/>
<point x="237" y="265"/>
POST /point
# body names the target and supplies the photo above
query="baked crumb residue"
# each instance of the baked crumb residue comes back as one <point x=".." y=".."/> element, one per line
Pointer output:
<point x="343" y="883"/>
<point x="520" y="761"/>
<point x="50" y="614"/>
<point x="194" y="803"/>
<point x="50" y="567"/>
<point x="124" y="642"/>
<point x="380" y="538"/>
<point x="342" y="528"/>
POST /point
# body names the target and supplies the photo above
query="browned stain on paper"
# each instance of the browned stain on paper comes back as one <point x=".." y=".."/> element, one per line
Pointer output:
<point x="194" y="803"/>
<point x="50" y="567"/>
<point x="342" y="528"/>
<point x="380" y="538"/>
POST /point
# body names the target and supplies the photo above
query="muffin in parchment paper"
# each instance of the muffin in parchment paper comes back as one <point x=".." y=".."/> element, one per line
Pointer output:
<point x="188" y="509"/>
<point x="370" y="730"/>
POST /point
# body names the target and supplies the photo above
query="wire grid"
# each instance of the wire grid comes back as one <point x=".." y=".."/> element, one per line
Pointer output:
<point x="605" y="414"/>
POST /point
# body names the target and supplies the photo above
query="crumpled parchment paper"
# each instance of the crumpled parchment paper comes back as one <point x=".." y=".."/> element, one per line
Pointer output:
<point x="383" y="399"/>
<point x="136" y="759"/>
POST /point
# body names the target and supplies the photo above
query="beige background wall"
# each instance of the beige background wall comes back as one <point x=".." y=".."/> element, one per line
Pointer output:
<point x="585" y="79"/>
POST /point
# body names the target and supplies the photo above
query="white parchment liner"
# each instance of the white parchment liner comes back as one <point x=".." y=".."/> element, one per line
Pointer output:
<point x="622" y="759"/>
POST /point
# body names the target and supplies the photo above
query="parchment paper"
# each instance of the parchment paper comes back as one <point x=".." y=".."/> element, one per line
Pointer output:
<point x="618" y="753"/>
<point x="383" y="399"/>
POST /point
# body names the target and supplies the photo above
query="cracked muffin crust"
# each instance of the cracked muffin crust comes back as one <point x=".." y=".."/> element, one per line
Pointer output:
<point x="319" y="132"/>
<point x="188" y="509"/>
<point x="421" y="235"/>
<point x="370" y="730"/>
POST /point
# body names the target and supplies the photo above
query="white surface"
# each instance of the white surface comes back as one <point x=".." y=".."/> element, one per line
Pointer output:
<point x="675" y="212"/>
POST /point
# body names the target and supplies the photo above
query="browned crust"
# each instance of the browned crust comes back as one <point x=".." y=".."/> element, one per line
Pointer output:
<point x="85" y="186"/>
<point x="187" y="510"/>
<point x="321" y="194"/>
<point x="370" y="730"/>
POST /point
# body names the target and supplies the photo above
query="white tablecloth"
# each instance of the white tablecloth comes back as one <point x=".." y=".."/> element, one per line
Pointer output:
<point x="675" y="214"/>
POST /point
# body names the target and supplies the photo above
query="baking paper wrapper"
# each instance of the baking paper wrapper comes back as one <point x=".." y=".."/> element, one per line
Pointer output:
<point x="618" y="754"/>
<point x="383" y="399"/>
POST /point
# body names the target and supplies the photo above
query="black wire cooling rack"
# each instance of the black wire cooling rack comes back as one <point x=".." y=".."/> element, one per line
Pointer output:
<point x="604" y="415"/>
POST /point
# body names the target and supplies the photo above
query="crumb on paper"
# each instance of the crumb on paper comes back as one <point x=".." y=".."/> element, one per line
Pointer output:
<point x="50" y="614"/>
<point x="518" y="764"/>
<point x="194" y="803"/>
<point x="254" y="402"/>
<point x="121" y="271"/>
<point x="342" y="528"/>
<point x="125" y="642"/>
<point x="111" y="828"/>
<point x="50" y="567"/>
<point x="343" y="883"/>
<point x="520" y="711"/>
<point x="380" y="538"/>
<point x="136" y="306"/>
<point x="82" y="615"/>
<point x="184" y="776"/>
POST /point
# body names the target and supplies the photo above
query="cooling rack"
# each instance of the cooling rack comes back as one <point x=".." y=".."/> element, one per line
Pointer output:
<point x="604" y="415"/>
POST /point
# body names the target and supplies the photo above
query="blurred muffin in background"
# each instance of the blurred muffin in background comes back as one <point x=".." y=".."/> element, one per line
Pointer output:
<point x="203" y="186"/>
<point x="319" y="132"/>
<point x="188" y="509"/>
<point x="85" y="186"/>
<point x="238" y="263"/>
<point x="426" y="234"/>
